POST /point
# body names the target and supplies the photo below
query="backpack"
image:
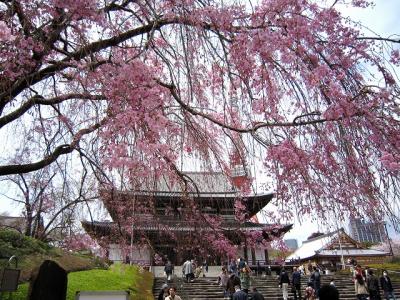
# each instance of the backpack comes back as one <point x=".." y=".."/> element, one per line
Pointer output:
<point x="317" y="276"/>
<point x="373" y="284"/>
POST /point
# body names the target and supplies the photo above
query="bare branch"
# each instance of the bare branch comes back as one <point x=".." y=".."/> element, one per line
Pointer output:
<point x="60" y="150"/>
<point x="39" y="100"/>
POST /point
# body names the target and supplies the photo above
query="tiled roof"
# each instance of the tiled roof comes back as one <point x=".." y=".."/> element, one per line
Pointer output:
<point x="203" y="184"/>
<point x="352" y="252"/>
<point x="182" y="226"/>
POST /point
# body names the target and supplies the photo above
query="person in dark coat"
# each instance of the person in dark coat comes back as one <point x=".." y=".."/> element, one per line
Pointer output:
<point x="315" y="279"/>
<point x="309" y="267"/>
<point x="373" y="286"/>
<point x="296" y="288"/>
<point x="239" y="294"/>
<point x="205" y="267"/>
<point x="328" y="292"/>
<point x="164" y="293"/>
<point x="386" y="285"/>
<point x="232" y="282"/>
<point x="233" y="266"/>
<point x="256" y="295"/>
<point x="284" y="282"/>
<point x="168" y="269"/>
<point x="241" y="264"/>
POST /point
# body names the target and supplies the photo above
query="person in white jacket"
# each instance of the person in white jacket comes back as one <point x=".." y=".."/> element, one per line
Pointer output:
<point x="187" y="270"/>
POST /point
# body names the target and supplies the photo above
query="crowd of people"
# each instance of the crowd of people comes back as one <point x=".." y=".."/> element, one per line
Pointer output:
<point x="168" y="293"/>
<point x="190" y="270"/>
<point x="235" y="279"/>
<point x="368" y="286"/>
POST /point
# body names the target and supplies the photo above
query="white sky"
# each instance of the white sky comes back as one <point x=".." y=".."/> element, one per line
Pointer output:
<point x="382" y="19"/>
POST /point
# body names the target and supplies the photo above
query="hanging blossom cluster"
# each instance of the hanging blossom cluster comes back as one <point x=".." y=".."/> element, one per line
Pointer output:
<point x="5" y="33"/>
<point x="142" y="90"/>
<point x="79" y="242"/>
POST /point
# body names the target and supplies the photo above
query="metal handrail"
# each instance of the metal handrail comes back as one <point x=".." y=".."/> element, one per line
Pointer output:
<point x="10" y="260"/>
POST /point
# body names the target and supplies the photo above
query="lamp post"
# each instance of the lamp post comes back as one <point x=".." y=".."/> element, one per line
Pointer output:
<point x="133" y="213"/>
<point x="341" y="249"/>
<point x="388" y="238"/>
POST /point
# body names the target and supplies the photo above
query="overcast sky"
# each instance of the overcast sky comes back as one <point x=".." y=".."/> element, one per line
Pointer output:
<point x="382" y="19"/>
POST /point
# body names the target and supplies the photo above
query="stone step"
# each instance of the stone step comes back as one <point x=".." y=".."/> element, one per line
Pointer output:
<point x="207" y="288"/>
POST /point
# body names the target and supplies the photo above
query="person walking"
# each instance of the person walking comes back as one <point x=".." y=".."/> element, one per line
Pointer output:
<point x="360" y="287"/>
<point x="233" y="266"/>
<point x="164" y="293"/>
<point x="332" y="282"/>
<point x="284" y="282"/>
<point x="205" y="268"/>
<point x="241" y="264"/>
<point x="373" y="286"/>
<point x="328" y="292"/>
<point x="223" y="278"/>
<point x="358" y="270"/>
<point x="309" y="293"/>
<point x="239" y="294"/>
<point x="168" y="269"/>
<point x="245" y="279"/>
<point x="315" y="279"/>
<point x="183" y="268"/>
<point x="296" y="283"/>
<point x="172" y="294"/>
<point x="301" y="270"/>
<point x="187" y="270"/>
<point x="309" y="268"/>
<point x="256" y="295"/>
<point x="233" y="281"/>
<point x="387" y="286"/>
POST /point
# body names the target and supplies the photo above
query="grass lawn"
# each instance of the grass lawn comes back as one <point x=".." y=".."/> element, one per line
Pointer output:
<point x="118" y="277"/>
<point x="393" y="266"/>
<point x="390" y="266"/>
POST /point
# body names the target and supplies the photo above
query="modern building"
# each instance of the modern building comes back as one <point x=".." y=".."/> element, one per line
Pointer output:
<point x="152" y="223"/>
<point x="333" y="248"/>
<point x="291" y="244"/>
<point x="367" y="231"/>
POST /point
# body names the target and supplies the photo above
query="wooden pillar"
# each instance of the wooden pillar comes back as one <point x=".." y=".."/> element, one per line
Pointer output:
<point x="266" y="256"/>
<point x="178" y="261"/>
<point x="253" y="256"/>
<point x="246" y="257"/>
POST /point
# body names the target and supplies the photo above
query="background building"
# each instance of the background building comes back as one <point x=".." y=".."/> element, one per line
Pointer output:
<point x="17" y="223"/>
<point x="291" y="244"/>
<point x="367" y="231"/>
<point x="334" y="248"/>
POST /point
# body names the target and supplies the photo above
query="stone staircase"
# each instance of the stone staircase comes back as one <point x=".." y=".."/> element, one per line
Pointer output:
<point x="268" y="286"/>
<point x="207" y="288"/>
<point x="200" y="289"/>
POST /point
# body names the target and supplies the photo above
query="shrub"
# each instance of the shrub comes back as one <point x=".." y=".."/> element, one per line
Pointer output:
<point x="14" y="243"/>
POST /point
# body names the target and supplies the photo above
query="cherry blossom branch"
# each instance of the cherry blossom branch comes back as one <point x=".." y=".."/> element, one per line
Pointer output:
<point x="79" y="54"/>
<point x="240" y="130"/>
